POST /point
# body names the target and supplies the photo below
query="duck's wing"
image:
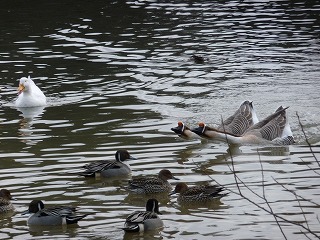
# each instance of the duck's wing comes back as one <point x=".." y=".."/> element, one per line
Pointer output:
<point x="144" y="182"/>
<point x="136" y="220"/>
<point x="98" y="166"/>
<point x="140" y="216"/>
<point x="213" y="190"/>
<point x="273" y="126"/>
<point x="240" y="121"/>
<point x="204" y="192"/>
<point x="69" y="213"/>
<point x="58" y="211"/>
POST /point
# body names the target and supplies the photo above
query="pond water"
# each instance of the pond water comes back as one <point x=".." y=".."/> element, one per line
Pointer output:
<point x="119" y="74"/>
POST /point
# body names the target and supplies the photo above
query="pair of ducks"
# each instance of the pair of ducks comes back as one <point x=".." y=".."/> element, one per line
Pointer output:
<point x="243" y="128"/>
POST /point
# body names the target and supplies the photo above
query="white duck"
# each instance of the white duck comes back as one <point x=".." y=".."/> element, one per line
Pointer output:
<point x="29" y="94"/>
<point x="274" y="129"/>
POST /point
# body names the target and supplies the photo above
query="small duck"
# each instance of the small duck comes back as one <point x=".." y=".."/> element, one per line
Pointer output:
<point x="157" y="184"/>
<point x="107" y="168"/>
<point x="29" y="95"/>
<point x="274" y="129"/>
<point x="5" y="203"/>
<point x="198" y="59"/>
<point x="237" y="124"/>
<point x="200" y="193"/>
<point x="141" y="221"/>
<point x="59" y="215"/>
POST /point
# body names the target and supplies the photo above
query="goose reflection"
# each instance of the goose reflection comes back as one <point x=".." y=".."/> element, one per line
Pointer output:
<point x="29" y="115"/>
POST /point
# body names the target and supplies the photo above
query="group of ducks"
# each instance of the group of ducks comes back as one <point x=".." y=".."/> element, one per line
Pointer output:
<point x="29" y="95"/>
<point x="244" y="128"/>
<point x="137" y="221"/>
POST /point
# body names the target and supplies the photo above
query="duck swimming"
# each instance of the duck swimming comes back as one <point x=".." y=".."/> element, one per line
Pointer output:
<point x="58" y="215"/>
<point x="274" y="129"/>
<point x="5" y="203"/>
<point x="201" y="193"/>
<point x="29" y="95"/>
<point x="236" y="124"/>
<point x="141" y="221"/>
<point x="109" y="168"/>
<point x="158" y="184"/>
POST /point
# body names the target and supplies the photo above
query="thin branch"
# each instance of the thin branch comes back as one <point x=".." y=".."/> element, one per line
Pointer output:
<point x="310" y="168"/>
<point x="292" y="192"/>
<point x="303" y="214"/>
<point x="277" y="217"/>
<point x="260" y="207"/>
<point x="231" y="157"/>
<point x="265" y="199"/>
<point x="244" y="184"/>
<point x="305" y="235"/>
<point x="307" y="141"/>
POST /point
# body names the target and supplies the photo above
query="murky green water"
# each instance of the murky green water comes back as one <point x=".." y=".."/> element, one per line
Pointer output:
<point x="118" y="75"/>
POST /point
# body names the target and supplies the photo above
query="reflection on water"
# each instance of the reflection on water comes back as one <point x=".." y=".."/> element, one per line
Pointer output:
<point x="120" y="75"/>
<point x="26" y="130"/>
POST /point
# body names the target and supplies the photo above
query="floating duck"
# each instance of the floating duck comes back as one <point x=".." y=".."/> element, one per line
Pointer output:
<point x="201" y="193"/>
<point x="59" y="215"/>
<point x="29" y="95"/>
<point x="5" y="203"/>
<point x="236" y="124"/>
<point x="274" y="129"/>
<point x="141" y="221"/>
<point x="157" y="184"/>
<point x="109" y="168"/>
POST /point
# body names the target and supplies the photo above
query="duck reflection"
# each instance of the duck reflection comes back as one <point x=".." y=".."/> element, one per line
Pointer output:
<point x="29" y="115"/>
<point x="140" y="199"/>
<point x="200" y="207"/>
<point x="70" y="230"/>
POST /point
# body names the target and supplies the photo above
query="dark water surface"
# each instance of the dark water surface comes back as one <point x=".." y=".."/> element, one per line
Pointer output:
<point x="118" y="74"/>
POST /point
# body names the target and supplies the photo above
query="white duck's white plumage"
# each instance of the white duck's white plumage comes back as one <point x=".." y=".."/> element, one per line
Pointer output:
<point x="29" y="94"/>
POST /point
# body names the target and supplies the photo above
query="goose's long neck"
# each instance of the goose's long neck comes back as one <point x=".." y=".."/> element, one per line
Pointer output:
<point x="227" y="138"/>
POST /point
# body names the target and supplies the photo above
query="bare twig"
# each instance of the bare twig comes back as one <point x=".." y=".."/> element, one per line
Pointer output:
<point x="305" y="230"/>
<point x="231" y="157"/>
<point x="303" y="214"/>
<point x="265" y="199"/>
<point x="294" y="193"/>
<point x="314" y="170"/>
<point x="307" y="141"/>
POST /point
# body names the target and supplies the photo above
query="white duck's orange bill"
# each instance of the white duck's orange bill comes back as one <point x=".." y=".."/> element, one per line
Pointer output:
<point x="20" y="89"/>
